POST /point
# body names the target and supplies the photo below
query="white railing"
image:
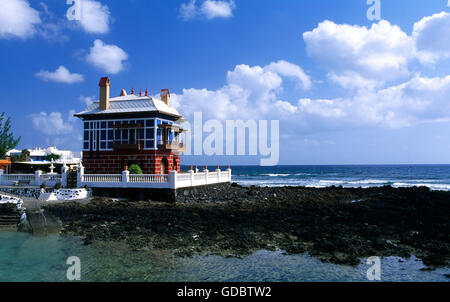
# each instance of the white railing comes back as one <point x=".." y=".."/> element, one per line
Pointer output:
<point x="183" y="177"/>
<point x="125" y="180"/>
<point x="149" y="178"/>
<point x="112" y="178"/>
<point x="18" y="177"/>
<point x="51" y="178"/>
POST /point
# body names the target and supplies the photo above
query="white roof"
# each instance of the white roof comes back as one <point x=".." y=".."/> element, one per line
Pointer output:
<point x="130" y="104"/>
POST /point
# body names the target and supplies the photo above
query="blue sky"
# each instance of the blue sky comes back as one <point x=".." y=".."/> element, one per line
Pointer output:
<point x="346" y="90"/>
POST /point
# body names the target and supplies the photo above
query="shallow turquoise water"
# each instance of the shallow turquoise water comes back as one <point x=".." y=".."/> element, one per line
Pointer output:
<point x="27" y="258"/>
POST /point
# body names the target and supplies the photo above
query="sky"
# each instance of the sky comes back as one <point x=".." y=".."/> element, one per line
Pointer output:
<point x="345" y="88"/>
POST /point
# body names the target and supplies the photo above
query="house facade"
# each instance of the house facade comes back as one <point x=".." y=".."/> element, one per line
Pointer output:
<point x="5" y="165"/>
<point x="131" y="129"/>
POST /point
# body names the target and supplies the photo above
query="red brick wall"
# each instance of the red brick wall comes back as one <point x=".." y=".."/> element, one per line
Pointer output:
<point x="113" y="162"/>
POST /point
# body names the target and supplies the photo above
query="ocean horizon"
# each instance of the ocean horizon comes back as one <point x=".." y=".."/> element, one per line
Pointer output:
<point x="433" y="176"/>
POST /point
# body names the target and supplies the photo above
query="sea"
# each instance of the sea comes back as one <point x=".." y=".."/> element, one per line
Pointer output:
<point x="436" y="177"/>
<point x="24" y="257"/>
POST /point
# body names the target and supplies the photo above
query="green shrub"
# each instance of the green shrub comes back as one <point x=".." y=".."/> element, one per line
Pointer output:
<point x="135" y="169"/>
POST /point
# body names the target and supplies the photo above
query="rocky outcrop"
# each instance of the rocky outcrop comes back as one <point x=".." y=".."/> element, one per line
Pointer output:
<point x="339" y="225"/>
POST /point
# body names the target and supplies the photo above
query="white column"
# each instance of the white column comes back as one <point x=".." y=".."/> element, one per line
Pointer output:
<point x="173" y="180"/>
<point x="37" y="178"/>
<point x="1" y="176"/>
<point x="229" y="174"/>
<point x="191" y="172"/>
<point x="218" y="174"/>
<point x="64" y="175"/>
<point x="125" y="178"/>
<point x="206" y="176"/>
<point x="80" y="173"/>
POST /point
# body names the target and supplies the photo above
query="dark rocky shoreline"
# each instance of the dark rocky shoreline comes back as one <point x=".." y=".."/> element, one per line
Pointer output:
<point x="338" y="225"/>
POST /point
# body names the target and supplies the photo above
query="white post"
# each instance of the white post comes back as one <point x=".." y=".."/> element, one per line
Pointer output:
<point x="125" y="178"/>
<point x="206" y="175"/>
<point x="1" y="176"/>
<point x="173" y="180"/>
<point x="64" y="175"/>
<point x="229" y="174"/>
<point x="218" y="174"/>
<point x="191" y="172"/>
<point x="80" y="173"/>
<point x="37" y="178"/>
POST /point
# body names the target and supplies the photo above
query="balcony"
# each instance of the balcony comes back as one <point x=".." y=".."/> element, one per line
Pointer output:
<point x="173" y="146"/>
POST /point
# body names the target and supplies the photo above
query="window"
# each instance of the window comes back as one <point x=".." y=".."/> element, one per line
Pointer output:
<point x="104" y="134"/>
<point x="149" y="144"/>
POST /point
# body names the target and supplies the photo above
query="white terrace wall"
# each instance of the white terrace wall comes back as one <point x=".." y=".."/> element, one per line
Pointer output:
<point x="172" y="181"/>
<point x="36" y="179"/>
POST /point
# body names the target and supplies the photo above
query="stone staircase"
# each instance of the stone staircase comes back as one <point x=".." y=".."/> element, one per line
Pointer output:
<point x="9" y="217"/>
<point x="9" y="221"/>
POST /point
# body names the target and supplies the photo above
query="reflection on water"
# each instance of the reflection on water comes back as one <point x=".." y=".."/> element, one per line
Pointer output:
<point x="27" y="258"/>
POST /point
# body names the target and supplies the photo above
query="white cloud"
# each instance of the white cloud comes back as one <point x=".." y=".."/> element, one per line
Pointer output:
<point x="419" y="100"/>
<point x="357" y="54"/>
<point x="87" y="100"/>
<point x="432" y="36"/>
<point x="209" y="9"/>
<point x="61" y="75"/>
<point x="17" y="19"/>
<point x="52" y="123"/>
<point x="95" y="17"/>
<point x="250" y="92"/>
<point x="108" y="58"/>
<point x="287" y="69"/>
<point x="217" y="9"/>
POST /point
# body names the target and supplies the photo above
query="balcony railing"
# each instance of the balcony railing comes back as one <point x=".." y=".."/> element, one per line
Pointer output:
<point x="172" y="146"/>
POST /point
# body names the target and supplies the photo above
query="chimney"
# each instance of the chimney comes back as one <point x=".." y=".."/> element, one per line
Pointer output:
<point x="165" y="96"/>
<point x="104" y="93"/>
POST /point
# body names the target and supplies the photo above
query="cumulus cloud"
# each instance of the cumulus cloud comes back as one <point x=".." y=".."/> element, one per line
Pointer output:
<point x="60" y="75"/>
<point x="418" y="100"/>
<point x="53" y="123"/>
<point x="95" y="17"/>
<point x="108" y="58"/>
<point x="357" y="55"/>
<point x="209" y="9"/>
<point x="250" y="92"/>
<point x="18" y="19"/>
<point x="432" y="37"/>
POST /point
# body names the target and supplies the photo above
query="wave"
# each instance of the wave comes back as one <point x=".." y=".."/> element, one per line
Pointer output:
<point x="323" y="183"/>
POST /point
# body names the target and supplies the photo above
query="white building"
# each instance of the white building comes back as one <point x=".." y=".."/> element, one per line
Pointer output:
<point x="38" y="155"/>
